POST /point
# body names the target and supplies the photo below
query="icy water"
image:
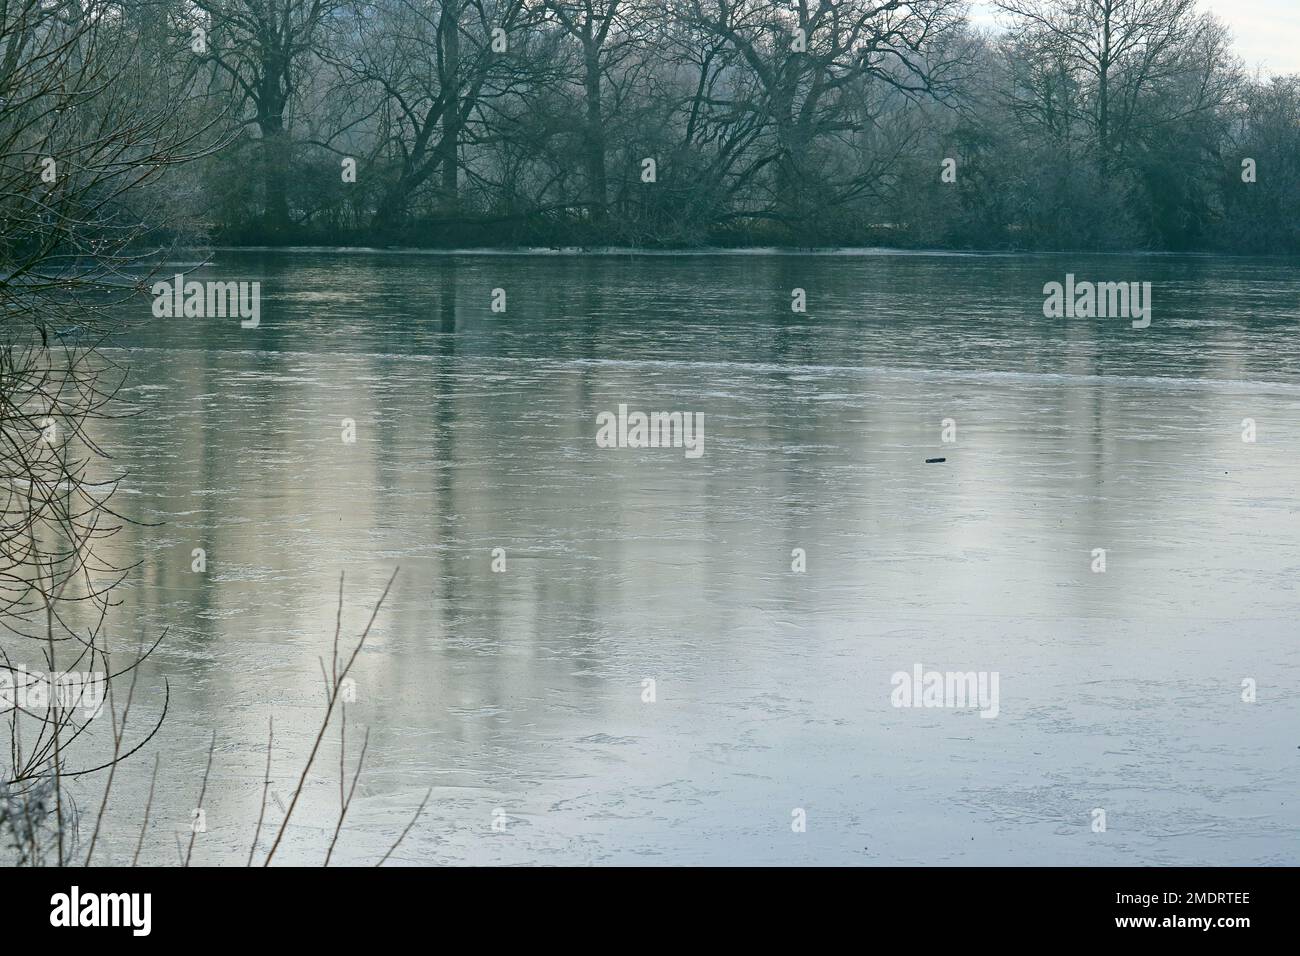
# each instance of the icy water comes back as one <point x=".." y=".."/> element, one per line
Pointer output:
<point x="519" y="695"/>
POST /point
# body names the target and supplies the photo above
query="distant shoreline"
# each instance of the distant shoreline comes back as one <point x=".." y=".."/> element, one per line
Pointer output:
<point x="730" y="251"/>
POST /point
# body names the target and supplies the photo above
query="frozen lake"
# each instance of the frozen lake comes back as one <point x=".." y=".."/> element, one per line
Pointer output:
<point x="520" y="692"/>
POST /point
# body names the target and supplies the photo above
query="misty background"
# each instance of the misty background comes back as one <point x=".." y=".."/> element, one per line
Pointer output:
<point x="1117" y="124"/>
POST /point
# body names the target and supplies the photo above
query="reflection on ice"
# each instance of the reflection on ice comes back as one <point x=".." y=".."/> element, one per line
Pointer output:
<point x="521" y="690"/>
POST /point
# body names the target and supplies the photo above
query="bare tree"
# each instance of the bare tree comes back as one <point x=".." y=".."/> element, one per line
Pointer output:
<point x="263" y="48"/>
<point x="809" y="66"/>
<point x="83" y="130"/>
<point x="1104" y="60"/>
<point x="606" y="32"/>
<point x="426" y="72"/>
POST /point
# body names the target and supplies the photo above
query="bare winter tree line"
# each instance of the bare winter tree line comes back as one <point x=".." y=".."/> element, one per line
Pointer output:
<point x="1083" y="123"/>
<point x="1079" y="124"/>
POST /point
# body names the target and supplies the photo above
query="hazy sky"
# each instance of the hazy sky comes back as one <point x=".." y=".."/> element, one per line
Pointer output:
<point x="1266" y="32"/>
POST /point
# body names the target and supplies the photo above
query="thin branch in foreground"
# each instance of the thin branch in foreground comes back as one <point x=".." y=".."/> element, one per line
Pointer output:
<point x="202" y="793"/>
<point x="266" y="786"/>
<point x="402" y="836"/>
<point x="332" y="697"/>
<point x="347" y="801"/>
<point x="148" y="805"/>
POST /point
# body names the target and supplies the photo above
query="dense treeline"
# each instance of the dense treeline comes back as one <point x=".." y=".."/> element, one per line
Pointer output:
<point x="1097" y="124"/>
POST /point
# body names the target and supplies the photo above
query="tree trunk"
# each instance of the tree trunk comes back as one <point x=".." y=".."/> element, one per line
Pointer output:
<point x="1103" y="95"/>
<point x="789" y="185"/>
<point x="595" y="139"/>
<point x="451" y="116"/>
<point x="275" y="158"/>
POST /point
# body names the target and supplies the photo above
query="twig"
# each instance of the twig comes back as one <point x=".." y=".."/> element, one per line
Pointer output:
<point x="402" y="835"/>
<point x="148" y="805"/>
<point x="329" y="710"/>
<point x="202" y="792"/>
<point x="266" y="785"/>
